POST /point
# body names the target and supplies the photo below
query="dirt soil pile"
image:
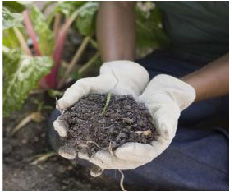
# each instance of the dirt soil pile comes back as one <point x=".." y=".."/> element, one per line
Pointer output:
<point x="105" y="122"/>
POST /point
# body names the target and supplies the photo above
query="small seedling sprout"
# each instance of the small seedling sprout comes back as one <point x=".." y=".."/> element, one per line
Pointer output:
<point x="107" y="102"/>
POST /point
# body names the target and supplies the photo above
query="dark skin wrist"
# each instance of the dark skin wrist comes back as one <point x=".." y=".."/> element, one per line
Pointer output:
<point x="116" y="31"/>
<point x="212" y="80"/>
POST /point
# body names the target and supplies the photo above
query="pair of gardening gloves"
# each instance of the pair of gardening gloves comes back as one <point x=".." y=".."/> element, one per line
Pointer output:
<point x="164" y="96"/>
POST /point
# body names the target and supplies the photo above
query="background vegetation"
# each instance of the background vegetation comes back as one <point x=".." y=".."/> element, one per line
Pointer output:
<point x="36" y="43"/>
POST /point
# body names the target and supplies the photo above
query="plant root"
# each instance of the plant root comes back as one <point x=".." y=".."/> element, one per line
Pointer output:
<point x="93" y="142"/>
<point x="146" y="133"/>
<point x="121" y="181"/>
<point x="110" y="148"/>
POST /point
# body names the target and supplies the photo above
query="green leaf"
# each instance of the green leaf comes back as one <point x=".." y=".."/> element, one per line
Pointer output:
<point x="13" y="6"/>
<point x="11" y="19"/>
<point x="10" y="59"/>
<point x="9" y="38"/>
<point x="85" y="21"/>
<point x="85" y="13"/>
<point x="44" y="33"/>
<point x="68" y="7"/>
<point x="149" y="30"/>
<point x="20" y="75"/>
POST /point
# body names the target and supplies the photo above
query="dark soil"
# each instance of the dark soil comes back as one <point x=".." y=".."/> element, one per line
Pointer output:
<point x="94" y="125"/>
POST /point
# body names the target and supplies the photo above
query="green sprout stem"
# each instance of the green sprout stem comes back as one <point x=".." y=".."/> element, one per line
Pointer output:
<point x="107" y="103"/>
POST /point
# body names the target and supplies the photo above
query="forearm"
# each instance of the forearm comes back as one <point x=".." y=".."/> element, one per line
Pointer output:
<point x="211" y="80"/>
<point x="116" y="31"/>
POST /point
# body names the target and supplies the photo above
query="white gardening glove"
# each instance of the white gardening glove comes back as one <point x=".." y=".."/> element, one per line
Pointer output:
<point x="165" y="97"/>
<point x="117" y="77"/>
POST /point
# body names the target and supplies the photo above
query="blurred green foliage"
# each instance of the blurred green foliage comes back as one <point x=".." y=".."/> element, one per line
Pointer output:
<point x="149" y="28"/>
<point x="13" y="6"/>
<point x="22" y="73"/>
<point x="11" y="19"/>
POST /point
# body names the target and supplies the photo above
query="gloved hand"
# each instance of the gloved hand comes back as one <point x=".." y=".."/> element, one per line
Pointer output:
<point x="117" y="77"/>
<point x="165" y="97"/>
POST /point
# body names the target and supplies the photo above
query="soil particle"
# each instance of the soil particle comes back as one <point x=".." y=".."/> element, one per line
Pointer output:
<point x="124" y="121"/>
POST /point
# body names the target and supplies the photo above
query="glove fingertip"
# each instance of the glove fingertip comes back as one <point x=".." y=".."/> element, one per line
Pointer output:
<point x="96" y="171"/>
<point x="67" y="152"/>
<point x="61" y="105"/>
<point x="59" y="126"/>
<point x="83" y="155"/>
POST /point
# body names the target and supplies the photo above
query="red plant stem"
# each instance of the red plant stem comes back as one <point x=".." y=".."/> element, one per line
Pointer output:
<point x="51" y="78"/>
<point x="31" y="32"/>
<point x="57" y="24"/>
